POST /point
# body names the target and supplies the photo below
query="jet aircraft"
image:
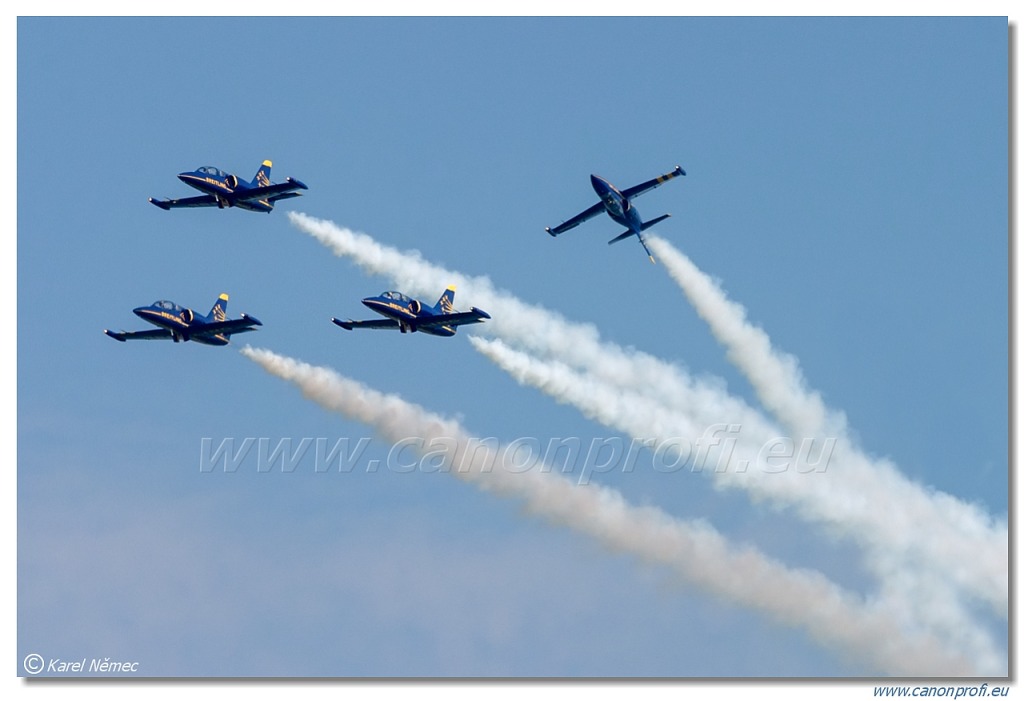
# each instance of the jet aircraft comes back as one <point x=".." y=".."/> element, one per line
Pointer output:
<point x="616" y="203"/>
<point x="181" y="324"/>
<point x="226" y="190"/>
<point x="411" y="315"/>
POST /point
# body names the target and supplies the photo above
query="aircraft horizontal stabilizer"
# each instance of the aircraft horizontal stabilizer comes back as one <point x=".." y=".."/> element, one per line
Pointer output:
<point x="624" y="235"/>
<point x="648" y="224"/>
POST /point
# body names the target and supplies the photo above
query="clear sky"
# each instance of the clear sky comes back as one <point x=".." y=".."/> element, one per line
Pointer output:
<point x="846" y="183"/>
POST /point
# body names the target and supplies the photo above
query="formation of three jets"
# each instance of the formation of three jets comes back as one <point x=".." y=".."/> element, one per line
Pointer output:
<point x="400" y="312"/>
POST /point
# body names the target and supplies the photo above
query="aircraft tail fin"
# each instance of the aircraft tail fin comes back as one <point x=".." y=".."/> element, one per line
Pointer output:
<point x="647" y="225"/>
<point x="639" y="235"/>
<point x="219" y="312"/>
<point x="446" y="303"/>
<point x="262" y="177"/>
<point x="644" y="244"/>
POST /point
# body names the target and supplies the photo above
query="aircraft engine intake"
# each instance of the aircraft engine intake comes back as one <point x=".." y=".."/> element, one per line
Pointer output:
<point x="415" y="306"/>
<point x="232" y="181"/>
<point x="187" y="316"/>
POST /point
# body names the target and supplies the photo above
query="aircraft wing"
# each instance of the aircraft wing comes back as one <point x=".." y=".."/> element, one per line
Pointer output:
<point x="372" y="324"/>
<point x="283" y="196"/>
<point x="150" y="335"/>
<point x="228" y="326"/>
<point x="577" y="220"/>
<point x="287" y="188"/>
<point x="651" y="184"/>
<point x="200" y="201"/>
<point x="455" y="319"/>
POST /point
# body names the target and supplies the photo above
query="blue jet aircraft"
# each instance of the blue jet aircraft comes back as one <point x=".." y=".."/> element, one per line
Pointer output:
<point x="618" y="206"/>
<point x="227" y="190"/>
<point x="180" y="324"/>
<point x="410" y="315"/>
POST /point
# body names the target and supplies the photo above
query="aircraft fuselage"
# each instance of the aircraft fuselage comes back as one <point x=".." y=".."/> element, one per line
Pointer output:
<point x="180" y="323"/>
<point x="407" y="314"/>
<point x="616" y="204"/>
<point x="224" y="188"/>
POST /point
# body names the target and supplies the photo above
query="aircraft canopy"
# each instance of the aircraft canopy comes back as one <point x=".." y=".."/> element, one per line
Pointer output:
<point x="397" y="296"/>
<point x="169" y="306"/>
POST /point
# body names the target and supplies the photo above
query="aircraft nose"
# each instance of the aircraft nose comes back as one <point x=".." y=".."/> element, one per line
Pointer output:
<point x="141" y="311"/>
<point x="599" y="184"/>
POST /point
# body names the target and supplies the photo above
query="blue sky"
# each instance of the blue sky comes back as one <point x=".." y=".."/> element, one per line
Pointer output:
<point x="846" y="183"/>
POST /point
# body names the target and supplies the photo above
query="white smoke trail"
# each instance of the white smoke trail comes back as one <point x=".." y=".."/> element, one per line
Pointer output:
<point x="776" y="377"/>
<point x="869" y="500"/>
<point x="796" y="597"/>
<point x="739" y="461"/>
<point x="917" y="590"/>
<point x="968" y="535"/>
<point x="540" y="330"/>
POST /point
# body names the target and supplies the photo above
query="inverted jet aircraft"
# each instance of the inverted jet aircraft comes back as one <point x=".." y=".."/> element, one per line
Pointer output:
<point x="411" y="315"/>
<point x="226" y="190"/>
<point x="616" y="203"/>
<point x="181" y="324"/>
